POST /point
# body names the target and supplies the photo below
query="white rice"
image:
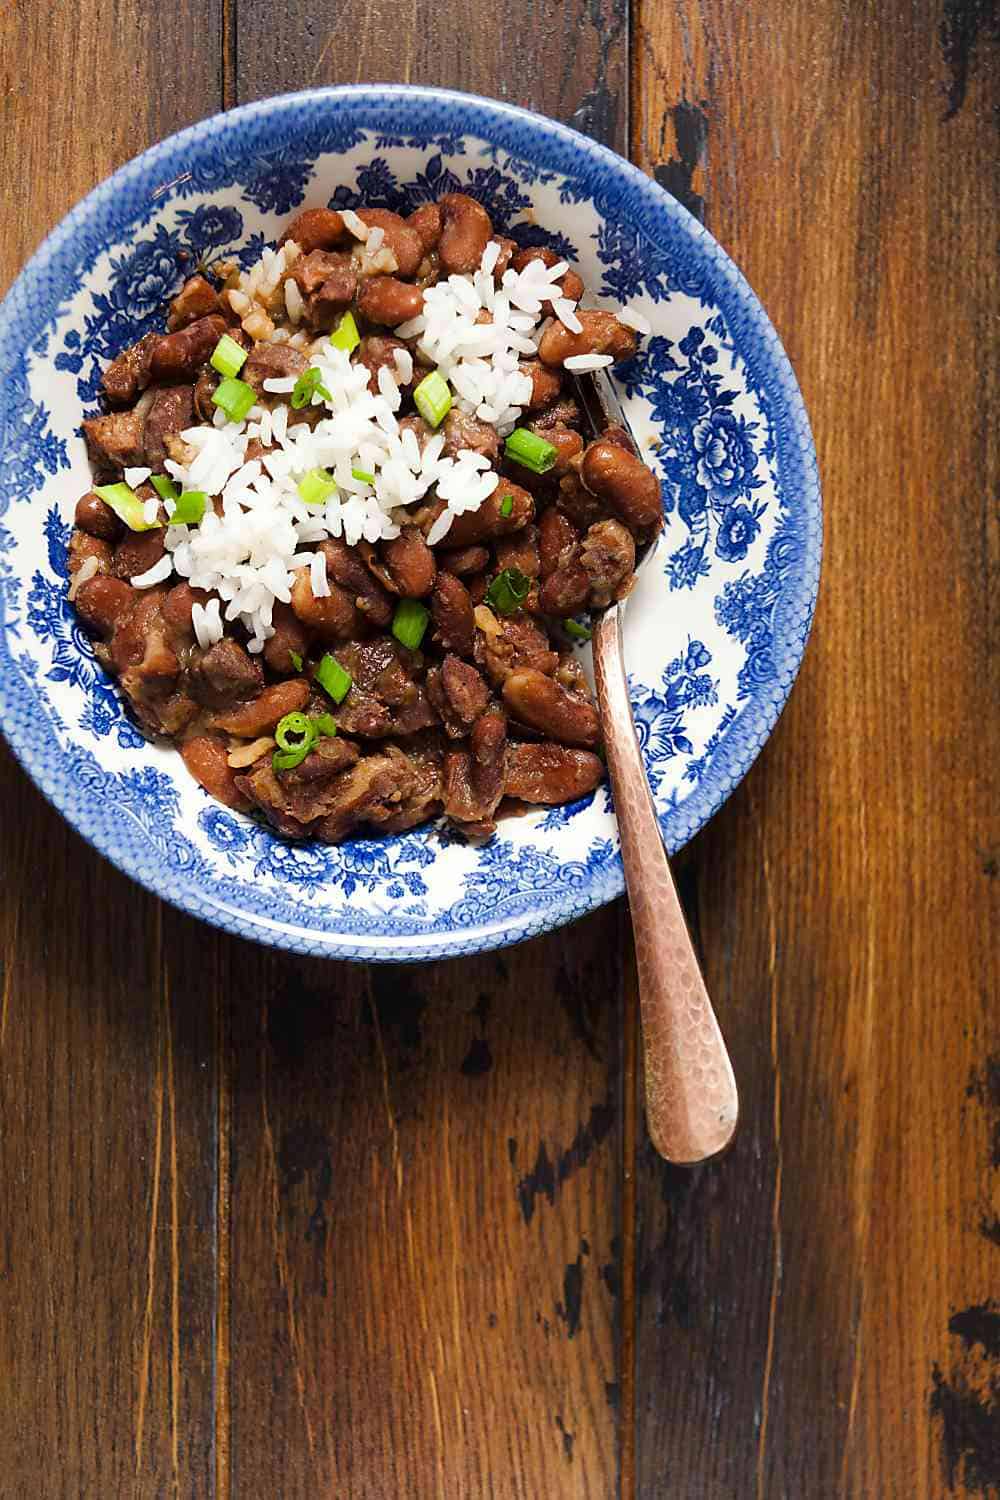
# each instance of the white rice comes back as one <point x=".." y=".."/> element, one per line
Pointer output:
<point x="135" y="477"/>
<point x="582" y="362"/>
<point x="636" y="320"/>
<point x="247" y="554"/>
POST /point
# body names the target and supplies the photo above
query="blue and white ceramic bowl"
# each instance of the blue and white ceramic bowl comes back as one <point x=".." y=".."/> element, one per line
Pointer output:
<point x="716" y="628"/>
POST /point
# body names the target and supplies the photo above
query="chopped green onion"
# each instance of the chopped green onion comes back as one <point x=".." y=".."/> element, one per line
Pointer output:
<point x="333" y="679"/>
<point x="227" y="357"/>
<point x="576" y="631"/>
<point x="286" y="760"/>
<point x="295" y="732"/>
<point x="235" y="398"/>
<point x="126" y="505"/>
<point x="530" y="451"/>
<point x="317" y="486"/>
<point x="164" y="487"/>
<point x="189" y="508"/>
<point x="325" y="724"/>
<point x="363" y="476"/>
<point x="507" y="505"/>
<point x="307" y="386"/>
<point x="295" y="660"/>
<point x="508" y="591"/>
<point x="409" y="623"/>
<point x="432" y="398"/>
<point x="346" y="336"/>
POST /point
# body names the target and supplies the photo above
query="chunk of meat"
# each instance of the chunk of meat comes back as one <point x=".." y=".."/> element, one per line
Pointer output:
<point x="196" y="299"/>
<point x="385" y="698"/>
<point x="138" y="550"/>
<point x="388" y="301"/>
<point x="345" y="568"/>
<point x="169" y="412"/>
<point x="96" y="517"/>
<point x="459" y="694"/>
<point x="205" y="388"/>
<point x="399" y="237"/>
<point x="248" y="720"/>
<point x="582" y="508"/>
<point x="373" y="791"/>
<point x="623" y="482"/>
<point x="180" y="355"/>
<point x="128" y="374"/>
<point x="410" y="564"/>
<point x="289" y="636"/>
<point x="608" y="558"/>
<point x="562" y="413"/>
<point x="224" y="675"/>
<point x="272" y="362"/>
<point x="114" y="442"/>
<point x="451" y="610"/>
<point x="328" y="283"/>
<point x="377" y="350"/>
<point x="489" y="521"/>
<point x="466" y="230"/>
<point x="296" y="799"/>
<point x="601" y="334"/>
<point x="316" y="229"/>
<point x="423" y="800"/>
<point x="544" y="704"/>
<point x="149" y="669"/>
<point x="506" y="645"/>
<point x="551" y="774"/>
<point x="207" y="758"/>
<point x="464" y="431"/>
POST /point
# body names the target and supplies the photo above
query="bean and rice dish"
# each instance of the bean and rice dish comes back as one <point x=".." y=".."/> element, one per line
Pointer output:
<point x="345" y="524"/>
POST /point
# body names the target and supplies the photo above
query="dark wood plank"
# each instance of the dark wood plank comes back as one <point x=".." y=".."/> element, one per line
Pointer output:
<point x="425" y="1218"/>
<point x="813" y="1309"/>
<point x="107" y="1078"/>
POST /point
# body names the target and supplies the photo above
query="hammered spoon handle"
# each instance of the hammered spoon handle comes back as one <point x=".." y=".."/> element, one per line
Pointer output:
<point x="691" y="1100"/>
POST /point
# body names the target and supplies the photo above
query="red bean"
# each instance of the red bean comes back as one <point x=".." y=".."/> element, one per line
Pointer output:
<point x="263" y="712"/>
<point x="103" y="603"/>
<point x="207" y="758"/>
<point x="426" y="221"/>
<point x="401" y="238"/>
<point x="466" y="231"/>
<point x="543" y="704"/>
<point x="316" y="229"/>
<point x="388" y="301"/>
<point x="602" y="334"/>
<point x="624" y="483"/>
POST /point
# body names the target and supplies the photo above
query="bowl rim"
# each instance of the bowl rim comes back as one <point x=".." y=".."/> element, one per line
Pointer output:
<point x="756" y="719"/>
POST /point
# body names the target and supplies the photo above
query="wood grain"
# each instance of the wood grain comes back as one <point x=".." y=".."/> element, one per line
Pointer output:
<point x="798" y="1331"/>
<point x="107" y="1065"/>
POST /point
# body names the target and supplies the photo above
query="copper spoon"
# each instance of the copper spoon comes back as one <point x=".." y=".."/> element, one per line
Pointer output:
<point x="691" y="1101"/>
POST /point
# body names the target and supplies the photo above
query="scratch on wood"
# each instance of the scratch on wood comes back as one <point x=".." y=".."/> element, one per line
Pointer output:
<point x="154" y="1213"/>
<point x="281" y="1258"/>
<point x="776" y="1267"/>
<point x="8" y="972"/>
<point x="397" y="1161"/>
<point x="863" y="1155"/>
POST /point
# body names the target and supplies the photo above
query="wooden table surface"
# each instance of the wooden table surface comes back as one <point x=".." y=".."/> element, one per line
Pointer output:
<point x="279" y="1227"/>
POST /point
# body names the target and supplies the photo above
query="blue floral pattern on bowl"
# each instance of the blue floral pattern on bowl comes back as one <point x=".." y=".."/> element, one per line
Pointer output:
<point x="719" y="618"/>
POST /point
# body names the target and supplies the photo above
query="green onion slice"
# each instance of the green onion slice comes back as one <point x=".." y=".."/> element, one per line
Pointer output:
<point x="235" y="397"/>
<point x="333" y="679"/>
<point x="530" y="451"/>
<point x="507" y="505"/>
<point x="295" y="732"/>
<point x="346" y="336"/>
<point x="286" y="760"/>
<point x="295" y="660"/>
<point x="325" y="724"/>
<point x="432" y="398"/>
<point x="508" y="591"/>
<point x="317" y="486"/>
<point x="164" y="487"/>
<point x="576" y="631"/>
<point x="127" y="506"/>
<point x="307" y="386"/>
<point x="409" y="623"/>
<point x="363" y="476"/>
<point x="227" y="356"/>
<point x="190" y="508"/>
